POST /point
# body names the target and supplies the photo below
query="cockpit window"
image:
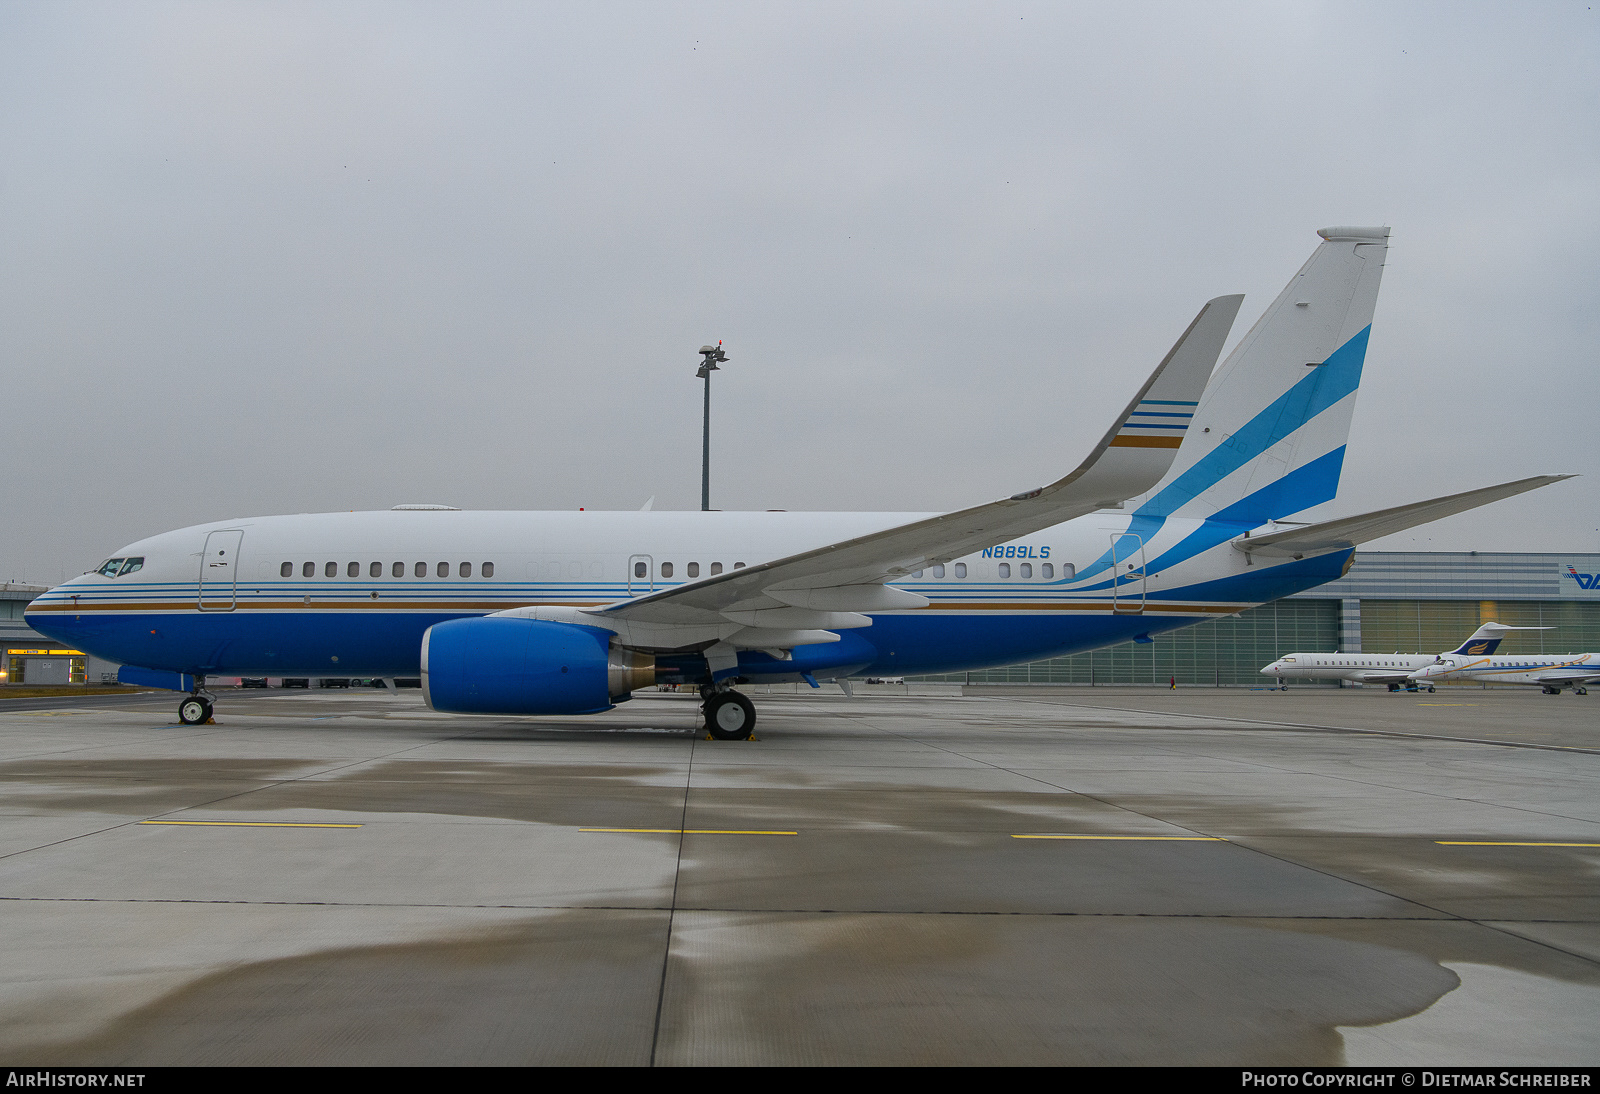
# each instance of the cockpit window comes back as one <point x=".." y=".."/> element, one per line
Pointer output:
<point x="131" y="565"/>
<point x="112" y="565"/>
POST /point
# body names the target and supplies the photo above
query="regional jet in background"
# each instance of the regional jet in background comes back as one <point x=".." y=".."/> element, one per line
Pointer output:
<point x="1551" y="672"/>
<point x="512" y="613"/>
<point x="1398" y="670"/>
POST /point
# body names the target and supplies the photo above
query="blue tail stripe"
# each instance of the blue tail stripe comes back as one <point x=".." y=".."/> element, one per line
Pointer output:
<point x="1315" y="392"/>
<point x="1302" y="488"/>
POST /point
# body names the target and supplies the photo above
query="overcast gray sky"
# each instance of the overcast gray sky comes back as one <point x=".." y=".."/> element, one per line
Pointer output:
<point x="288" y="257"/>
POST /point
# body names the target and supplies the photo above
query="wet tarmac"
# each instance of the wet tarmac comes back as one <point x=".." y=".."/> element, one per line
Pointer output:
<point x="1020" y="876"/>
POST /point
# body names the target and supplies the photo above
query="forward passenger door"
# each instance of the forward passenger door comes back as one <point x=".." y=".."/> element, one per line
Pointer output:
<point x="219" y="571"/>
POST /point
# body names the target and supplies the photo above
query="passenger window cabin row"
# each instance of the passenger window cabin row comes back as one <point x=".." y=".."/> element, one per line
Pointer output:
<point x="1047" y="570"/>
<point x="375" y="569"/>
<point x="641" y="569"/>
<point x="690" y="569"/>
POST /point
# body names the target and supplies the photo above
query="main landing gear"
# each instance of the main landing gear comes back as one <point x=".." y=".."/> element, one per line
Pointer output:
<point x="196" y="709"/>
<point x="729" y="715"/>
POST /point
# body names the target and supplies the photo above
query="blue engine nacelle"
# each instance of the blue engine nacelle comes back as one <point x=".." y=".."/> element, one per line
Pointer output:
<point x="510" y="665"/>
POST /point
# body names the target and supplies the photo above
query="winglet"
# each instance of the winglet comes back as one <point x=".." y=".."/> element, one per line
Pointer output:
<point x="1139" y="448"/>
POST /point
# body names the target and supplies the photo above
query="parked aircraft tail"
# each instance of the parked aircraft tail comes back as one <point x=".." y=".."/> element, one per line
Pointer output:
<point x="1486" y="639"/>
<point x="1272" y="424"/>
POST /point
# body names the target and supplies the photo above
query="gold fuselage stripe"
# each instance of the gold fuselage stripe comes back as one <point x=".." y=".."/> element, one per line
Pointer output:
<point x="1132" y="441"/>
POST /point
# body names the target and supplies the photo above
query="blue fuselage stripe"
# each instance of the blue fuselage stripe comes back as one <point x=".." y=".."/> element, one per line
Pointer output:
<point x="378" y="642"/>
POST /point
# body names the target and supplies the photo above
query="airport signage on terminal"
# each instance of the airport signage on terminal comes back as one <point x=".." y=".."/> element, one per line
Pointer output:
<point x="1585" y="582"/>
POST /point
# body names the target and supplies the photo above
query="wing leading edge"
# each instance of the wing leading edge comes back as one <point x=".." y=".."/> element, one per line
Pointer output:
<point x="824" y="587"/>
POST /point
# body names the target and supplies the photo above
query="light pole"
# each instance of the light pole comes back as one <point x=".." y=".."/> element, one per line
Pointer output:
<point x="710" y="355"/>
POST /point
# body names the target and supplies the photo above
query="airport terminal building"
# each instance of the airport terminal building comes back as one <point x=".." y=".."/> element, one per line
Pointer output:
<point x="1390" y="601"/>
<point x="29" y="658"/>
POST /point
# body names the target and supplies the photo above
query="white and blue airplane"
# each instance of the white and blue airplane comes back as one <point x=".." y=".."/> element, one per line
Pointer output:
<point x="1477" y="662"/>
<point x="568" y="613"/>
<point x="1398" y="670"/>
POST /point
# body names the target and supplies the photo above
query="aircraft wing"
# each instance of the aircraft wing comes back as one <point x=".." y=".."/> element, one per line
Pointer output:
<point x="1349" y="531"/>
<point x="1569" y="676"/>
<point x="1383" y="677"/>
<point x="804" y="590"/>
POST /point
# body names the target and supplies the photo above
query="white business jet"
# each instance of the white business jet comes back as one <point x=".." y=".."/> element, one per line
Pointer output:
<point x="512" y="613"/>
<point x="1550" y="672"/>
<point x="1397" y="670"/>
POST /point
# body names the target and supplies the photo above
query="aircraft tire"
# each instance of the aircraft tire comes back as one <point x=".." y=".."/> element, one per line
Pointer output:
<point x="1430" y="689"/>
<point x="730" y="716"/>
<point x="194" y="711"/>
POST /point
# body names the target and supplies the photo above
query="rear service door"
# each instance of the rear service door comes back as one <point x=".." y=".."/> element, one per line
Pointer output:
<point x="219" y="571"/>
<point x="1127" y="567"/>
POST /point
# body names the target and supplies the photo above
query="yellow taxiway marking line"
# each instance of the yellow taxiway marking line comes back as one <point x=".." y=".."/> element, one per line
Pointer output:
<point x="1170" y="839"/>
<point x="1505" y="843"/>
<point x="694" y="831"/>
<point x="248" y="824"/>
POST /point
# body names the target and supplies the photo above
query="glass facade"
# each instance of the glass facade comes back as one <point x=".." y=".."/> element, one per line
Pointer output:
<point x="1221" y="652"/>
<point x="1395" y="601"/>
<point x="1432" y="626"/>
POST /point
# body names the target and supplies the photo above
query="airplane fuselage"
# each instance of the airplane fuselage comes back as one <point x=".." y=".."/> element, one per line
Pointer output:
<point x="351" y="594"/>
<point x="1529" y="670"/>
<point x="1371" y="668"/>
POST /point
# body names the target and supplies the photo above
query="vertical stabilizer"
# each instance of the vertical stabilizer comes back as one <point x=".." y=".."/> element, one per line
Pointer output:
<point x="1269" y="433"/>
<point x="1486" y="639"/>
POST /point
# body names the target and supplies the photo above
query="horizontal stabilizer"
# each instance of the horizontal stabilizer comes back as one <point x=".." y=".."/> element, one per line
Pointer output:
<point x="1349" y="531"/>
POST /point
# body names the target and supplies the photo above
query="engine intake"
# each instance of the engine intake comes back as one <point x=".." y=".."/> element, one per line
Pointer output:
<point x="509" y="665"/>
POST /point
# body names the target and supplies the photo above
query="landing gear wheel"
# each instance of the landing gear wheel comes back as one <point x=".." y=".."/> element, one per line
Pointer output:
<point x="1285" y="687"/>
<point x="1430" y="689"/>
<point x="1580" y="691"/>
<point x="194" y="711"/>
<point x="730" y="716"/>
